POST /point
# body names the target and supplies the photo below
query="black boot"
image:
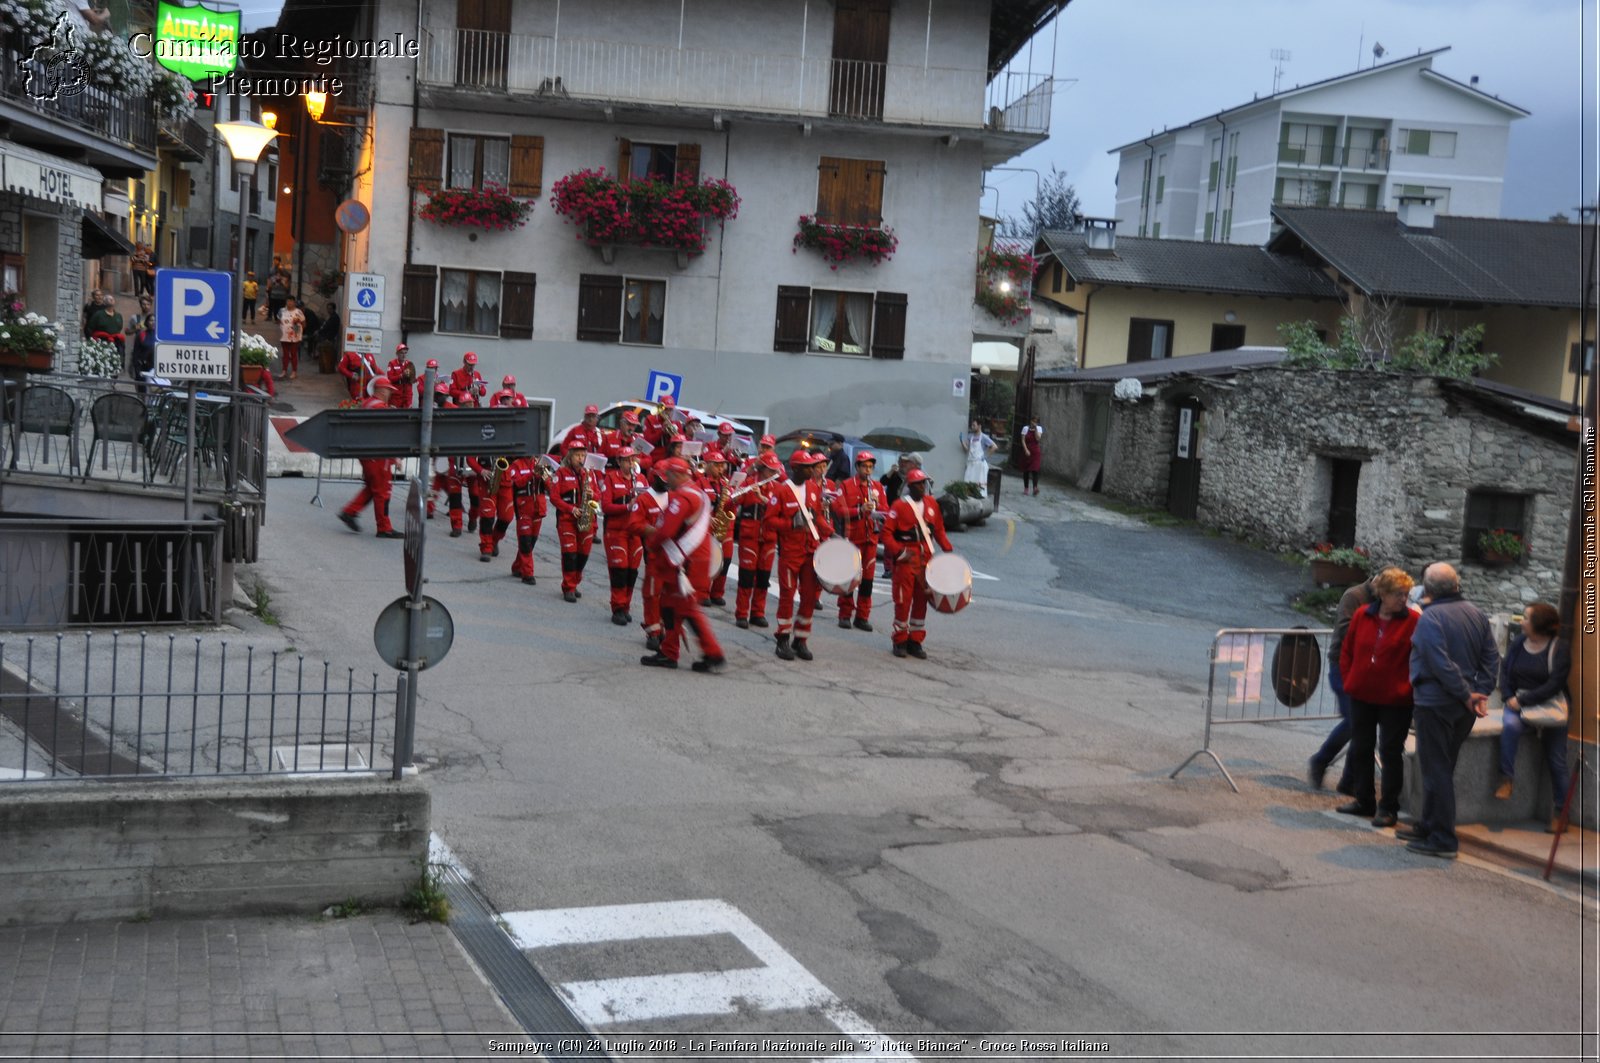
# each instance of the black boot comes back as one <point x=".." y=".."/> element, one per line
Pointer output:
<point x="652" y="642"/>
<point x="899" y="649"/>
<point x="801" y="651"/>
<point x="916" y="650"/>
<point x="862" y="625"/>
<point x="619" y="617"/>
<point x="658" y="660"/>
<point x="783" y="651"/>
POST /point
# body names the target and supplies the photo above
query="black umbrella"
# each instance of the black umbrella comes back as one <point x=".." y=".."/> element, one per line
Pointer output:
<point x="902" y="439"/>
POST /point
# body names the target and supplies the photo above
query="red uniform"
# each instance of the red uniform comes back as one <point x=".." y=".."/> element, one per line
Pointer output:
<point x="508" y="397"/>
<point x="679" y="553"/>
<point x="570" y="490"/>
<point x="495" y="509"/>
<point x="859" y="498"/>
<point x="758" y="550"/>
<point x="911" y="546"/>
<point x="405" y="384"/>
<point x="467" y="386"/>
<point x="586" y="436"/>
<point x="613" y="441"/>
<point x="377" y="484"/>
<point x="647" y="507"/>
<point x="798" y="516"/>
<point x="655" y="425"/>
<point x="357" y="369"/>
<point x="624" y="548"/>
<point x="528" y="506"/>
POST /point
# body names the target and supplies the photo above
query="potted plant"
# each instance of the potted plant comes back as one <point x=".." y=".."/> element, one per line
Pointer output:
<point x="962" y="503"/>
<point x="490" y="207"/>
<point x="647" y="212"/>
<point x="328" y="282"/>
<point x="841" y="243"/>
<point x="1500" y="547"/>
<point x="27" y="340"/>
<point x="255" y="354"/>
<point x="98" y="358"/>
<point x="1334" y="565"/>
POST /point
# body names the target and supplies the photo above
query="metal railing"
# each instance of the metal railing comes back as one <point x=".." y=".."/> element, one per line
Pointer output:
<point x="187" y="135"/>
<point x="83" y="705"/>
<point x="1348" y="157"/>
<point x="1265" y="675"/>
<point x="583" y="68"/>
<point x="128" y="120"/>
<point x="1353" y="158"/>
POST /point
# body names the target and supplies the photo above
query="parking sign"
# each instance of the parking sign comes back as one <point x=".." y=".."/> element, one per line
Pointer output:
<point x="663" y="384"/>
<point x="194" y="306"/>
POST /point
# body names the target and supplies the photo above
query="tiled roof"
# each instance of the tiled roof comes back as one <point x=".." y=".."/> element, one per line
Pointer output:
<point x="1498" y="261"/>
<point x="1191" y="266"/>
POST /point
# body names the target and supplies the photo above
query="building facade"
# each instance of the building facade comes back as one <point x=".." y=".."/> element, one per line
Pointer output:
<point x="866" y="114"/>
<point x="1361" y="140"/>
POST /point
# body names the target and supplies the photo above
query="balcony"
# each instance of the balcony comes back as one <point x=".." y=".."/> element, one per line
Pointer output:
<point x="126" y="122"/>
<point x="596" y="71"/>
<point x="1371" y="160"/>
<point x="1349" y="157"/>
<point x="188" y="139"/>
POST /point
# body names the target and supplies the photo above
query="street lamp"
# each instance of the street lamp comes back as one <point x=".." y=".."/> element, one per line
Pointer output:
<point x="246" y="141"/>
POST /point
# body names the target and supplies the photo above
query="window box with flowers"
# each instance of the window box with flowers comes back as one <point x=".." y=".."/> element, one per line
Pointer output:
<point x="99" y="358"/>
<point x="1338" y="565"/>
<point x="490" y="208"/>
<point x="28" y="341"/>
<point x="649" y="212"/>
<point x="173" y="97"/>
<point x="255" y="355"/>
<point x="839" y="244"/>
<point x="1498" y="547"/>
<point x="1005" y="282"/>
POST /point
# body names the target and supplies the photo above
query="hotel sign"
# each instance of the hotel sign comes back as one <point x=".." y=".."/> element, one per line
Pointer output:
<point x="49" y="177"/>
<point x="196" y="42"/>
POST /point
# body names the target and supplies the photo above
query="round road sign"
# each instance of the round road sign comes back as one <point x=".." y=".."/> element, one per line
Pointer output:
<point x="389" y="633"/>
<point x="352" y="216"/>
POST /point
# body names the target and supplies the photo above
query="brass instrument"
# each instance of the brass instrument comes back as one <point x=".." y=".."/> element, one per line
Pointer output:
<point x="588" y="507"/>
<point x="500" y="467"/>
<point x="722" y="515"/>
<point x="871" y="503"/>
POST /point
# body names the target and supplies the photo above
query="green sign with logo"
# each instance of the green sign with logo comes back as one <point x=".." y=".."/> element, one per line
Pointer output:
<point x="196" y="42"/>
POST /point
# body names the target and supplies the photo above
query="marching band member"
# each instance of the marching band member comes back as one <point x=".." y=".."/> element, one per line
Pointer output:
<point x="620" y="487"/>
<point x="448" y="481"/>
<point x="656" y="423"/>
<point x="647" y="506"/>
<point x="377" y="476"/>
<point x="467" y="386"/>
<point x="404" y="374"/>
<point x="729" y="446"/>
<point x="680" y="559"/>
<point x="577" y="501"/>
<point x="716" y="485"/>
<point x="585" y="433"/>
<point x="624" y="435"/>
<point x="528" y="502"/>
<point x="758" y="544"/>
<point x="671" y="445"/>
<point x="859" y="498"/>
<point x="913" y="526"/>
<point x="797" y="513"/>
<point x="357" y="369"/>
<point x="495" y="509"/>
<point x="508" y="395"/>
<point x="766" y="445"/>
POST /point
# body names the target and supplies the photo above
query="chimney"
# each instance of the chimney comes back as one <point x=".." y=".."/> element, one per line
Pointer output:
<point x="1474" y="81"/>
<point x="1416" y="212"/>
<point x="1102" y="234"/>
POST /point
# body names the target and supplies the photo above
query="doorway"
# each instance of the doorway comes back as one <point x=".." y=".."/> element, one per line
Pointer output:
<point x="1183" y="477"/>
<point x="860" y="58"/>
<point x="483" y="42"/>
<point x="1342" y="492"/>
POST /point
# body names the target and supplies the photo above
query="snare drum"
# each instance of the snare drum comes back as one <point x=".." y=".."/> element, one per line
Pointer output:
<point x="838" y="566"/>
<point x="442" y="465"/>
<point x="949" y="583"/>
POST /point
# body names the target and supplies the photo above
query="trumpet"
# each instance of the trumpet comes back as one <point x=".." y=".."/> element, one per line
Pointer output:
<point x="500" y="467"/>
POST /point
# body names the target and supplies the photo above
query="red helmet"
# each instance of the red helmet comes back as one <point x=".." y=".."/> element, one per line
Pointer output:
<point x="724" y="429"/>
<point x="916" y="476"/>
<point x="401" y="348"/>
<point x="441" y="388"/>
<point x="804" y="457"/>
<point x="509" y="382"/>
<point x="627" y="452"/>
<point x="469" y="359"/>
<point x="771" y="461"/>
<point x="630" y="417"/>
<point x="864" y="456"/>
<point x="433" y="363"/>
<point x="577" y="444"/>
<point x="381" y="382"/>
<point x="769" y="441"/>
<point x="591" y="408"/>
<point x="668" y="401"/>
<point x="666" y="465"/>
<point x="713" y="454"/>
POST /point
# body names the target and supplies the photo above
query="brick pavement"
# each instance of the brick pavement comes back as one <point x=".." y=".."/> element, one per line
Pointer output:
<point x="372" y="985"/>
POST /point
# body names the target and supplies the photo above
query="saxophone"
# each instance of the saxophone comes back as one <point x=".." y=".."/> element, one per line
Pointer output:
<point x="722" y="515"/>
<point x="588" y="507"/>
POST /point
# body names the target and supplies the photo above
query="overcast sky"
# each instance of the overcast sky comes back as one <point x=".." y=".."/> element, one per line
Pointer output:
<point x="1146" y="64"/>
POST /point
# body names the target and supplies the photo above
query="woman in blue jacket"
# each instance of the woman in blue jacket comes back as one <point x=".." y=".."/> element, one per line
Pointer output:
<point x="1534" y="671"/>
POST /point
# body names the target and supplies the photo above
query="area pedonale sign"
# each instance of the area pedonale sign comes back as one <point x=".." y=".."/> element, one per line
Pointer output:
<point x="196" y="42"/>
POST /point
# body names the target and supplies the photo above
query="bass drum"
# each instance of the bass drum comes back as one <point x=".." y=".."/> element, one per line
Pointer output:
<point x="838" y="566"/>
<point x="949" y="583"/>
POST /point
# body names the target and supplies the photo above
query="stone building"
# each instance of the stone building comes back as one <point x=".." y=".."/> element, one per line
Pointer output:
<point x="1412" y="468"/>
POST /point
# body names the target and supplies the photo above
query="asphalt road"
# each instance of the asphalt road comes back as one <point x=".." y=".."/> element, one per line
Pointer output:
<point x="982" y="843"/>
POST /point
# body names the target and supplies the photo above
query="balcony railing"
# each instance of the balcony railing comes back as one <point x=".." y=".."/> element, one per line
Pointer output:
<point x="127" y="120"/>
<point x="1370" y="159"/>
<point x="587" y="69"/>
<point x="187" y="138"/>
<point x="1348" y="157"/>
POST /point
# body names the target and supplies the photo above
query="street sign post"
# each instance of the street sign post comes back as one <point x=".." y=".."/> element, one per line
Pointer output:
<point x="510" y="431"/>
<point x="414" y="535"/>
<point x="391" y="635"/>
<point x="363" y="340"/>
<point x="365" y="319"/>
<point x="659" y="385"/>
<point x="365" y="292"/>
<point x="194" y="306"/>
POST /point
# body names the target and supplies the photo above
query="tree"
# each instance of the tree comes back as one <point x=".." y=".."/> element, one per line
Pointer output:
<point x="1056" y="207"/>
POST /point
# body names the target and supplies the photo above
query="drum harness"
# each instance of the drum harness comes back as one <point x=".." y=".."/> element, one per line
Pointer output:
<point x="799" y="492"/>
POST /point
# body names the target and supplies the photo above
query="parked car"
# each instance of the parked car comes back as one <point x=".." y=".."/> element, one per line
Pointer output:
<point x="611" y="419"/>
<point x="819" y="439"/>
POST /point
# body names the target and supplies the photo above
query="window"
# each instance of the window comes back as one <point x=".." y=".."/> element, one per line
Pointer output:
<point x="621" y="309"/>
<point x="1588" y="358"/>
<point x="1057" y="277"/>
<point x="1492" y="509"/>
<point x="637" y="160"/>
<point x="836" y="322"/>
<point x="1435" y="143"/>
<point x="272" y="180"/>
<point x="1227" y="337"/>
<point x="1161" y="178"/>
<point x="1155" y="230"/>
<point x="1302" y="192"/>
<point x="850" y="191"/>
<point x="1300" y="144"/>
<point x="1211" y="224"/>
<point x="1216" y="162"/>
<point x="1355" y="194"/>
<point x="469" y="302"/>
<point x="1148" y="339"/>
<point x="478" y="161"/>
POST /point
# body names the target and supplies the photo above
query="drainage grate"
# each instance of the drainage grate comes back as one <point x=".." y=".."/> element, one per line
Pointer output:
<point x="330" y="756"/>
<point x="527" y="995"/>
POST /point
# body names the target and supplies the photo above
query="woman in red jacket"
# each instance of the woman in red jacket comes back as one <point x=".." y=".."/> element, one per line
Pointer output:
<point x="1375" y="664"/>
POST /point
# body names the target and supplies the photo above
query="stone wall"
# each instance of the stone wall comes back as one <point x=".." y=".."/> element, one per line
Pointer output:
<point x="1139" y="445"/>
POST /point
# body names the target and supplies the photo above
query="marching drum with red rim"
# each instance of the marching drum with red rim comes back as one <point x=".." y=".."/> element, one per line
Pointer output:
<point x="949" y="583"/>
<point x="838" y="566"/>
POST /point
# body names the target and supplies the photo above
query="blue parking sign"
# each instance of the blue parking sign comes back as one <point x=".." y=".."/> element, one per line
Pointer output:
<point x="194" y="306"/>
<point x="663" y="384"/>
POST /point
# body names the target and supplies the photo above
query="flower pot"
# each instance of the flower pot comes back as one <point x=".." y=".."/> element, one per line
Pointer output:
<point x="1331" y="573"/>
<point x="250" y="374"/>
<point x="27" y="361"/>
<point x="1495" y="559"/>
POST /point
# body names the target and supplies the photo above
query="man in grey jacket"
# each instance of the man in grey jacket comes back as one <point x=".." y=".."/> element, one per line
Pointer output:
<point x="1453" y="667"/>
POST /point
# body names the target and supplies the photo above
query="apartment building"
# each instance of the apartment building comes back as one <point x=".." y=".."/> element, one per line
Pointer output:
<point x="1360" y="140"/>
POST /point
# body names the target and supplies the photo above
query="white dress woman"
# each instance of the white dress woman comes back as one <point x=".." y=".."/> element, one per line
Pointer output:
<point x="977" y="445"/>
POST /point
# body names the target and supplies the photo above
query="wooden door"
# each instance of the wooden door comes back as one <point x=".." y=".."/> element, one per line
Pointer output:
<point x="860" y="58"/>
<point x="483" y="42"/>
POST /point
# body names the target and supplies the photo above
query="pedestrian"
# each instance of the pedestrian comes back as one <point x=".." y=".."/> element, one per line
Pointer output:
<point x="1533" y="683"/>
<point x="1375" y="662"/>
<point x="249" y="291"/>
<point x="679" y="555"/>
<point x="1351" y="600"/>
<point x="330" y="332"/>
<point x="142" y="353"/>
<point x="90" y="308"/>
<point x="977" y="446"/>
<point x="292" y="331"/>
<point x="838" y="461"/>
<point x="377" y="477"/>
<point x="913" y="527"/>
<point x="105" y="323"/>
<point x="894" y="481"/>
<point x="1032" y="454"/>
<point x="1453" y="667"/>
<point x="277" y="292"/>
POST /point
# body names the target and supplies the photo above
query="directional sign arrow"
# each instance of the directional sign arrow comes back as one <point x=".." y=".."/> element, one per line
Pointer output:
<point x="505" y="430"/>
<point x="215" y="330"/>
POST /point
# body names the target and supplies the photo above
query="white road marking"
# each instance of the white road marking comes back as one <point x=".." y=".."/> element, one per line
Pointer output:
<point x="983" y="575"/>
<point x="779" y="984"/>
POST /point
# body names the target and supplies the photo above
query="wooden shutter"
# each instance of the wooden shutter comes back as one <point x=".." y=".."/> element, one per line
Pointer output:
<point x="792" y="327"/>
<point x="516" y="306"/>
<point x="418" y="298"/>
<point x="599" y="308"/>
<point x="180" y="188"/>
<point x="527" y="166"/>
<point x="889" y="325"/>
<point x="624" y="158"/>
<point x="427" y="158"/>
<point x="850" y="191"/>
<point x="867" y="192"/>
<point x="1141" y="333"/>
<point x="689" y="163"/>
<point x="830" y="201"/>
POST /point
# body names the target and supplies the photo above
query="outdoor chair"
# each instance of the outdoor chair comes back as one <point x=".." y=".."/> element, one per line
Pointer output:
<point x="45" y="411"/>
<point x="117" y="418"/>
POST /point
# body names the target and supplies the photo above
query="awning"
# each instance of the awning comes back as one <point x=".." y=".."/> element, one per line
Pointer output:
<point x="49" y="177"/>
<point x="100" y="239"/>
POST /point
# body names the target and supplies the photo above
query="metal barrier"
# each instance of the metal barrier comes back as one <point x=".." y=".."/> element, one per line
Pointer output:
<point x="85" y="705"/>
<point x="1268" y="675"/>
